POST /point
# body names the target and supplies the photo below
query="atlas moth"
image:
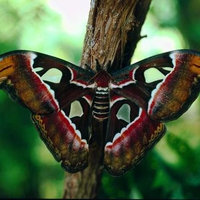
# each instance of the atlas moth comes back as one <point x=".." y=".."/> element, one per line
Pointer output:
<point x="65" y="99"/>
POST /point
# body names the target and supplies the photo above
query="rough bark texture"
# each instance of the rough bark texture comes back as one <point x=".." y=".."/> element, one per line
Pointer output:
<point x="113" y="31"/>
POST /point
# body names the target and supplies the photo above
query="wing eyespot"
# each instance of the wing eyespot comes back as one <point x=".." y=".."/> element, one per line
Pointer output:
<point x="76" y="109"/>
<point x="53" y="75"/>
<point x="124" y="113"/>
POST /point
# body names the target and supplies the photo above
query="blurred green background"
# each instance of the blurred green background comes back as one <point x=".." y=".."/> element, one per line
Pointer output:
<point x="27" y="169"/>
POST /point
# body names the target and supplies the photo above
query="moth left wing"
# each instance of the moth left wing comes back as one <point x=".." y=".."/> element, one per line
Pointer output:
<point x="146" y="104"/>
<point x="48" y="87"/>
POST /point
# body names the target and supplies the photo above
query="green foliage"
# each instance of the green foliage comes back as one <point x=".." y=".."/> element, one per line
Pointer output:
<point x="27" y="169"/>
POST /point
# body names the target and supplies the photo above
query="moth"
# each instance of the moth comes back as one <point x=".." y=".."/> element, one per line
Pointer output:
<point x="65" y="100"/>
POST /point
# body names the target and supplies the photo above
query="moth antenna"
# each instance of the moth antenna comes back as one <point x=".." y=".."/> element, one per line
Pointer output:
<point x="98" y="66"/>
<point x="87" y="67"/>
<point x="108" y="66"/>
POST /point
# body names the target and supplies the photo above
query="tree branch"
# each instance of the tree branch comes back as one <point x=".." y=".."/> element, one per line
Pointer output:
<point x="113" y="31"/>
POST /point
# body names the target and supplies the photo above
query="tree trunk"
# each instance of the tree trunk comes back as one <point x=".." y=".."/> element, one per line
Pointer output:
<point x="113" y="31"/>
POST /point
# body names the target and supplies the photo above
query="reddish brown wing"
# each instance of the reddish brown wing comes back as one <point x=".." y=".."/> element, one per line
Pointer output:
<point x="167" y="98"/>
<point x="130" y="132"/>
<point x="132" y="143"/>
<point x="149" y="104"/>
<point x="48" y="86"/>
<point x="175" y="94"/>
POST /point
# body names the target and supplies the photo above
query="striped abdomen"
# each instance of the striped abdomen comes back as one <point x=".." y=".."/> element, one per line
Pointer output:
<point x="101" y="103"/>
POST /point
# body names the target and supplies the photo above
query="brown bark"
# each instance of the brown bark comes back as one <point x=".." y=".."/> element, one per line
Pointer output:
<point x="113" y="31"/>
